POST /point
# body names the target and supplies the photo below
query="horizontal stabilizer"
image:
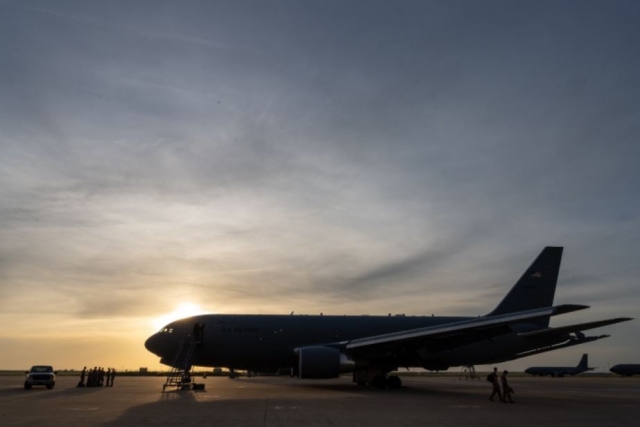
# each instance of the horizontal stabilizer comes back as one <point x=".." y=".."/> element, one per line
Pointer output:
<point x="568" y="308"/>
<point x="568" y="343"/>
<point x="572" y="328"/>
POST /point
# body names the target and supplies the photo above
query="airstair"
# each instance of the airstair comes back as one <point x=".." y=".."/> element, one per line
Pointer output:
<point x="469" y="372"/>
<point x="180" y="376"/>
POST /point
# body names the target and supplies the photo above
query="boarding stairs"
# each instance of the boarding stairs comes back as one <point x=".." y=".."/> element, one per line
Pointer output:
<point x="469" y="372"/>
<point x="180" y="376"/>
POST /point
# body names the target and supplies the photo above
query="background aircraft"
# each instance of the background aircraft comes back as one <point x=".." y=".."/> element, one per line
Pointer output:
<point x="372" y="346"/>
<point x="561" y="371"/>
<point x="626" y="370"/>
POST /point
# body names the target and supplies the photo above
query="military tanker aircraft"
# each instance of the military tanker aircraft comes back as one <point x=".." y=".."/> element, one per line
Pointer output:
<point x="561" y="371"/>
<point x="371" y="347"/>
<point x="626" y="369"/>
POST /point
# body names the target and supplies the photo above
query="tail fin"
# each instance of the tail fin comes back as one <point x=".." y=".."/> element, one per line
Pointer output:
<point x="584" y="362"/>
<point x="537" y="286"/>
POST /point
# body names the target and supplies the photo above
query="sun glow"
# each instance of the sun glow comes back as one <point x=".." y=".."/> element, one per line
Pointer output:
<point x="183" y="310"/>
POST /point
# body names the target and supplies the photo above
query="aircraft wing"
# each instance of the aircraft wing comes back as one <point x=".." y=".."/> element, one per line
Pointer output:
<point x="572" y="328"/>
<point x="455" y="334"/>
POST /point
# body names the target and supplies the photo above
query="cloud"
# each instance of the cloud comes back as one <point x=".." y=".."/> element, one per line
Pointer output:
<point x="313" y="156"/>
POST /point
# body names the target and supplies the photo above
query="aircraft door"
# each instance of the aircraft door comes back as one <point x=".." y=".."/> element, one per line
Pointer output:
<point x="198" y="332"/>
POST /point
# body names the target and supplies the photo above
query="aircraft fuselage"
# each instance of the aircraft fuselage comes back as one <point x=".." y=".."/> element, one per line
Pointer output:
<point x="267" y="343"/>
<point x="554" y="371"/>
<point x="626" y="370"/>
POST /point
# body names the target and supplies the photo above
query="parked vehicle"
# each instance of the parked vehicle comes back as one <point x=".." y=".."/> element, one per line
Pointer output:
<point x="40" y="375"/>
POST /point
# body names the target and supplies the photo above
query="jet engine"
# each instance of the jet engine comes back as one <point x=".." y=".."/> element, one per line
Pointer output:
<point x="318" y="362"/>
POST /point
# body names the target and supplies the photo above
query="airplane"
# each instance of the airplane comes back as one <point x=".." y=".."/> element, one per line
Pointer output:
<point x="561" y="371"/>
<point x="626" y="370"/>
<point x="371" y="347"/>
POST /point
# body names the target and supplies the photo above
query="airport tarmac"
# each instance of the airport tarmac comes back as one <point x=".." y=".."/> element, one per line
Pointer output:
<point x="283" y="401"/>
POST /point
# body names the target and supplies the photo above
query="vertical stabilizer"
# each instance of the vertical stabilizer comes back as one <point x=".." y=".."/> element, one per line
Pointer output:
<point x="584" y="362"/>
<point x="537" y="286"/>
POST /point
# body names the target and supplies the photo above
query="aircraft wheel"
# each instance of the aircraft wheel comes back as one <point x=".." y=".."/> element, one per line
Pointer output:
<point x="379" y="382"/>
<point x="394" y="382"/>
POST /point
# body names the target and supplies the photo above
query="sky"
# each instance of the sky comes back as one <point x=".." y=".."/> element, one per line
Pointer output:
<point x="165" y="158"/>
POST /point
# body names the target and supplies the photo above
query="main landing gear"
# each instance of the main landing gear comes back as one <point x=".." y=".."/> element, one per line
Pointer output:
<point x="379" y="381"/>
<point x="392" y="382"/>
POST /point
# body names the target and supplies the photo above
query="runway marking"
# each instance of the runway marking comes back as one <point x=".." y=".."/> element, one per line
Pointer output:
<point x="83" y="409"/>
<point x="210" y="395"/>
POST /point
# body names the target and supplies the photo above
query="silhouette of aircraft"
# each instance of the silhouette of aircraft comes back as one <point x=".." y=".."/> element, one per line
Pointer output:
<point x="561" y="371"/>
<point x="370" y="347"/>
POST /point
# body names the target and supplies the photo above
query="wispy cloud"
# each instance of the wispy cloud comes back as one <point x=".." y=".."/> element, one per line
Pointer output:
<point x="276" y="157"/>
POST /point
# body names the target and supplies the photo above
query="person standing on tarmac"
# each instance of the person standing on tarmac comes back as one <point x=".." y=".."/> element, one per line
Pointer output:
<point x="113" y="375"/>
<point x="91" y="381"/>
<point x="493" y="379"/>
<point x="83" y="374"/>
<point x="506" y="388"/>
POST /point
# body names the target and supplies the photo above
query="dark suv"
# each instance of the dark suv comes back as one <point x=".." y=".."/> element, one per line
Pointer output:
<point x="40" y="375"/>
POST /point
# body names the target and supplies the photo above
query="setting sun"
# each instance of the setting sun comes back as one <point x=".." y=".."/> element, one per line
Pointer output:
<point x="183" y="310"/>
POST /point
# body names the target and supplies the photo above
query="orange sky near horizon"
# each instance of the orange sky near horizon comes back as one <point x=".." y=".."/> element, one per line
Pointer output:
<point x="117" y="343"/>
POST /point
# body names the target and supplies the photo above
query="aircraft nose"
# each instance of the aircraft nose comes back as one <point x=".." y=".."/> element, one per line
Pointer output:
<point x="153" y="344"/>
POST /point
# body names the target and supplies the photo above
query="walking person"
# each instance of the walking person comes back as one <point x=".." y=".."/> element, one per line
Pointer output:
<point x="506" y="388"/>
<point x="493" y="379"/>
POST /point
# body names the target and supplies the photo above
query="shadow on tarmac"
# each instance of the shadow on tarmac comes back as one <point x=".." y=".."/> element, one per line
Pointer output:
<point x="300" y="404"/>
<point x="41" y="392"/>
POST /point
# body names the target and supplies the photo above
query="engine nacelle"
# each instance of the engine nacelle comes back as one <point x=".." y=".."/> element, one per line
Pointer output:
<point x="318" y="362"/>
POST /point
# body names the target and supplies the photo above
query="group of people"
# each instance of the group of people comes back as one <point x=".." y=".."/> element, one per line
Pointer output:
<point x="97" y="377"/>
<point x="504" y="393"/>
